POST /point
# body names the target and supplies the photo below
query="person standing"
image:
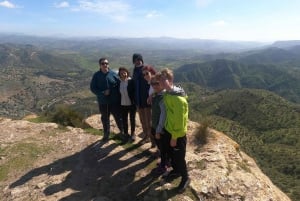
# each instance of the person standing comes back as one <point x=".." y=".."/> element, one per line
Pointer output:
<point x="127" y="102"/>
<point x="105" y="85"/>
<point x="158" y="120"/>
<point x="175" y="127"/>
<point x="141" y="94"/>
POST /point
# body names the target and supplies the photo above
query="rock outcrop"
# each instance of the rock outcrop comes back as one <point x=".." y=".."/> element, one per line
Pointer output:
<point x="77" y="166"/>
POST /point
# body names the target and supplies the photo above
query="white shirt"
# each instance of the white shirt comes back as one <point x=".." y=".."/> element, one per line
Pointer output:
<point x="125" y="100"/>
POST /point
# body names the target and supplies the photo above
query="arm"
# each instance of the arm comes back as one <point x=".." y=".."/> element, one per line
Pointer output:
<point x="162" y="117"/>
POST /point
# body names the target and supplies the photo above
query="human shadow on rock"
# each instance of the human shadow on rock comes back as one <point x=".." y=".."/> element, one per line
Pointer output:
<point x="96" y="171"/>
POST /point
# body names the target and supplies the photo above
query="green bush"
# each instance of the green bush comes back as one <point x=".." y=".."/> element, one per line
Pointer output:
<point x="66" y="116"/>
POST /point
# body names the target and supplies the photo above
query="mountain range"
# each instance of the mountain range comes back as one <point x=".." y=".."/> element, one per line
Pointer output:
<point x="250" y="91"/>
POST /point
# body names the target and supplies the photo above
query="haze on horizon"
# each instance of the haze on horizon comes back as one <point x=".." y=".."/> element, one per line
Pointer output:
<point x="255" y="20"/>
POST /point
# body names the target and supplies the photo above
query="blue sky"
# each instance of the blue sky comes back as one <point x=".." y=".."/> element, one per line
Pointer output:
<point x="246" y="20"/>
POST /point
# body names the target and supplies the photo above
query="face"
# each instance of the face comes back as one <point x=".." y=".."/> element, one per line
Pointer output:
<point x="165" y="83"/>
<point x="104" y="66"/>
<point x="138" y="63"/>
<point x="123" y="74"/>
<point x="156" y="85"/>
<point x="147" y="75"/>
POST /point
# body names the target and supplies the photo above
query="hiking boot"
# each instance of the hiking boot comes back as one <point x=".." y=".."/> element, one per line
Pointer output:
<point x="183" y="184"/>
<point x="124" y="138"/>
<point x="104" y="139"/>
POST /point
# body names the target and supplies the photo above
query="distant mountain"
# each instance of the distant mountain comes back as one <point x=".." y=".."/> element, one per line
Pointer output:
<point x="162" y="43"/>
<point x="227" y="74"/>
<point x="286" y="44"/>
<point x="273" y="55"/>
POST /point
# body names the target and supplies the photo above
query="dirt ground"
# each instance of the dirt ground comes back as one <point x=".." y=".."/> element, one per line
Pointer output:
<point x="74" y="165"/>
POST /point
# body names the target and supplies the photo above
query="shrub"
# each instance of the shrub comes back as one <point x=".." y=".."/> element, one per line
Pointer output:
<point x="66" y="116"/>
<point x="202" y="131"/>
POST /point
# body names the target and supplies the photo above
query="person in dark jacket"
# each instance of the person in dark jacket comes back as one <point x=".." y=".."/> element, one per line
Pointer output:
<point x="141" y="95"/>
<point x="105" y="85"/>
<point x="127" y="102"/>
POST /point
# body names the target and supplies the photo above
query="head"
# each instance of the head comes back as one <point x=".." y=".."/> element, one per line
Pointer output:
<point x="123" y="73"/>
<point x="166" y="78"/>
<point x="155" y="83"/>
<point x="104" y="65"/>
<point x="137" y="60"/>
<point x="148" y="72"/>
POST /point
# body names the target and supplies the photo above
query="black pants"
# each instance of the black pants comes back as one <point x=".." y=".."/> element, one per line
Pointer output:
<point x="176" y="154"/>
<point x="162" y="144"/>
<point x="106" y="110"/>
<point x="131" y="110"/>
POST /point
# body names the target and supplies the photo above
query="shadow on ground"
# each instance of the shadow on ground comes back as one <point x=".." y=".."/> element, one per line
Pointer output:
<point x="96" y="172"/>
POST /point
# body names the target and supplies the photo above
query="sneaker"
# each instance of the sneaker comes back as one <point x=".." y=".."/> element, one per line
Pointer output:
<point x="160" y="170"/>
<point x="170" y="175"/>
<point x="168" y="164"/>
<point x="183" y="184"/>
<point x="145" y="140"/>
<point x="133" y="137"/>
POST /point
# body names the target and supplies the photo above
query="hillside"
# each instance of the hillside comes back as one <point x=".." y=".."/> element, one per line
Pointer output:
<point x="30" y="79"/>
<point x="39" y="161"/>
<point x="266" y="126"/>
<point x="228" y="74"/>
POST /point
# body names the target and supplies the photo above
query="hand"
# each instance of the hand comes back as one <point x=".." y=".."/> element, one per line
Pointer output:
<point x="173" y="142"/>
<point x="157" y="136"/>
<point x="149" y="100"/>
<point x="106" y="92"/>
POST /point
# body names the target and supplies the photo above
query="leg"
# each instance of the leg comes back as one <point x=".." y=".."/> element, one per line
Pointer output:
<point x="132" y="114"/>
<point x="180" y="156"/>
<point x="181" y="164"/>
<point x="105" y="111"/>
<point x="116" y="112"/>
<point x="124" y="113"/>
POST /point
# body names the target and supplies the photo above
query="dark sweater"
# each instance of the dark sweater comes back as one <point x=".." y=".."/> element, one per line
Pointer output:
<point x="141" y="88"/>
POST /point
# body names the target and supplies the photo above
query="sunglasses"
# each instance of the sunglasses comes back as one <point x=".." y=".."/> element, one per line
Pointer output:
<point x="104" y="63"/>
<point x="154" y="83"/>
<point x="144" y="74"/>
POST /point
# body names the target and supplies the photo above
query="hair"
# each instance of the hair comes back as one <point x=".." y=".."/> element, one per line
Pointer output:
<point x="167" y="73"/>
<point x="124" y="69"/>
<point x="156" y="77"/>
<point x="102" y="59"/>
<point x="149" y="69"/>
<point x="137" y="56"/>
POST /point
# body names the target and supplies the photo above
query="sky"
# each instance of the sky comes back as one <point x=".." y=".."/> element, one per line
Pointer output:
<point x="238" y="20"/>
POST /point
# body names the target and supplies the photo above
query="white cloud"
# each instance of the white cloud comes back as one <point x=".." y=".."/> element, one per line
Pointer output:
<point x="7" y="4"/>
<point x="203" y="3"/>
<point x="63" y="4"/>
<point x="153" y="14"/>
<point x="220" y="23"/>
<point x="114" y="9"/>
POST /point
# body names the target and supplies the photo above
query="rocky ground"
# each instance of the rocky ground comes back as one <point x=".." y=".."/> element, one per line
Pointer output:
<point x="40" y="161"/>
